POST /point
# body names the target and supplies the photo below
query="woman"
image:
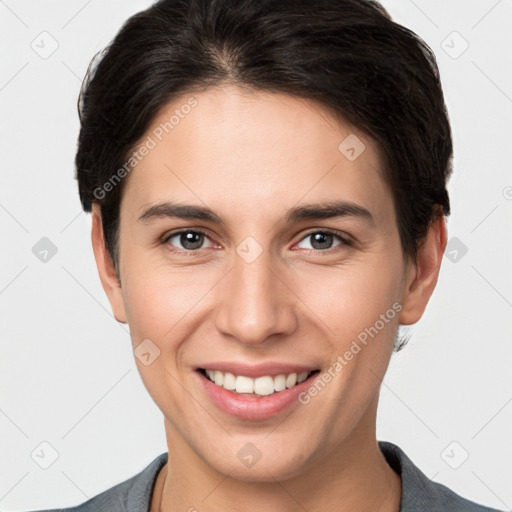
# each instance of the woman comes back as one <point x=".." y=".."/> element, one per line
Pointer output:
<point x="267" y="183"/>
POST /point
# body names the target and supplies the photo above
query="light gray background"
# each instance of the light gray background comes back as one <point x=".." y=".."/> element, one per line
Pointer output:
<point x="68" y="376"/>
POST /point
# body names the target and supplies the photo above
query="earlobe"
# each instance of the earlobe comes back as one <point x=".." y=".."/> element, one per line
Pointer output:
<point x="106" y="269"/>
<point x="422" y="276"/>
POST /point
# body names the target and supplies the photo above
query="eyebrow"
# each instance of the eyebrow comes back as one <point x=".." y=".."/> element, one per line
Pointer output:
<point x="329" y="210"/>
<point x="317" y="211"/>
<point x="181" y="211"/>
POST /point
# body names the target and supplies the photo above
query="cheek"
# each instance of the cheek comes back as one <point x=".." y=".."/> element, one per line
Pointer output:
<point x="349" y="299"/>
<point x="156" y="302"/>
<point x="162" y="299"/>
<point x="160" y="307"/>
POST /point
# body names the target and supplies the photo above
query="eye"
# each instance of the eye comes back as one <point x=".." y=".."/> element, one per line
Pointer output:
<point x="322" y="240"/>
<point x="189" y="240"/>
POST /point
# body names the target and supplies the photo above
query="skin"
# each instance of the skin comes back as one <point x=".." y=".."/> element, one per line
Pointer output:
<point x="250" y="157"/>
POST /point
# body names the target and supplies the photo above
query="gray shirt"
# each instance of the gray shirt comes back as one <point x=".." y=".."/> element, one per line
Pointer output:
<point x="419" y="493"/>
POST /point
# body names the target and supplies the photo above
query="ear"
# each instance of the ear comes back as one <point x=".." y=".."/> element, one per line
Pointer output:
<point x="106" y="268"/>
<point x="421" y="277"/>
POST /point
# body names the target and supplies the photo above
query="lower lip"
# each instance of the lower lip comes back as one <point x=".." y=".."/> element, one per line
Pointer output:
<point x="253" y="407"/>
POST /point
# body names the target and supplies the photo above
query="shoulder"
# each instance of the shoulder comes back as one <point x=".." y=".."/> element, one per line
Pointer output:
<point x="419" y="493"/>
<point x="132" y="495"/>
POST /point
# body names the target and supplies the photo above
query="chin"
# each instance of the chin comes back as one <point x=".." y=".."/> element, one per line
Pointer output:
<point x="265" y="469"/>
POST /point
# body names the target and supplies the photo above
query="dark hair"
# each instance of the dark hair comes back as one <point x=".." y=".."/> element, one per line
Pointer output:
<point x="347" y="54"/>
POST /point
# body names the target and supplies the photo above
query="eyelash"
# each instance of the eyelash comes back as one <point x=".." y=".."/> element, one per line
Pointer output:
<point x="345" y="241"/>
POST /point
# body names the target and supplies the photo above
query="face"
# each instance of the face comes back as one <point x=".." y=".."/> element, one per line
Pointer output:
<point x="255" y="276"/>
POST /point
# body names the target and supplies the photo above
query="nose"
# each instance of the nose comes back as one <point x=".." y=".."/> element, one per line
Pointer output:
<point x="256" y="302"/>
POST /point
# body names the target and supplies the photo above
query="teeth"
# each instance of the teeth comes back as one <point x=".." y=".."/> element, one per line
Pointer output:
<point x="280" y="382"/>
<point x="291" y="380"/>
<point x="263" y="386"/>
<point x="218" y="378"/>
<point x="229" y="381"/>
<point x="244" y="384"/>
<point x="302" y="377"/>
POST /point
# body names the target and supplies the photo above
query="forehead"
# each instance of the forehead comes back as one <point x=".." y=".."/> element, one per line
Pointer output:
<point x="234" y="149"/>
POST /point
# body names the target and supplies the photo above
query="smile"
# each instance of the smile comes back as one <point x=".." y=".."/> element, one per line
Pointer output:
<point x="260" y="386"/>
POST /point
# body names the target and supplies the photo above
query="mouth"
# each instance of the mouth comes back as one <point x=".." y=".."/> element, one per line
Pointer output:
<point x="261" y="386"/>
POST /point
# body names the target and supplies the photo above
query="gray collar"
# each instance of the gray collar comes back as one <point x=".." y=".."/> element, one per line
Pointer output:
<point x="419" y="493"/>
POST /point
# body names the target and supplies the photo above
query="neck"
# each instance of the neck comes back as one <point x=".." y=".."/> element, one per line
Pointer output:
<point x="354" y="476"/>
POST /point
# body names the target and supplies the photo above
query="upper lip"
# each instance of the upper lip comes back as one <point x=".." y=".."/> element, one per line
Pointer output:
<point x="257" y="370"/>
